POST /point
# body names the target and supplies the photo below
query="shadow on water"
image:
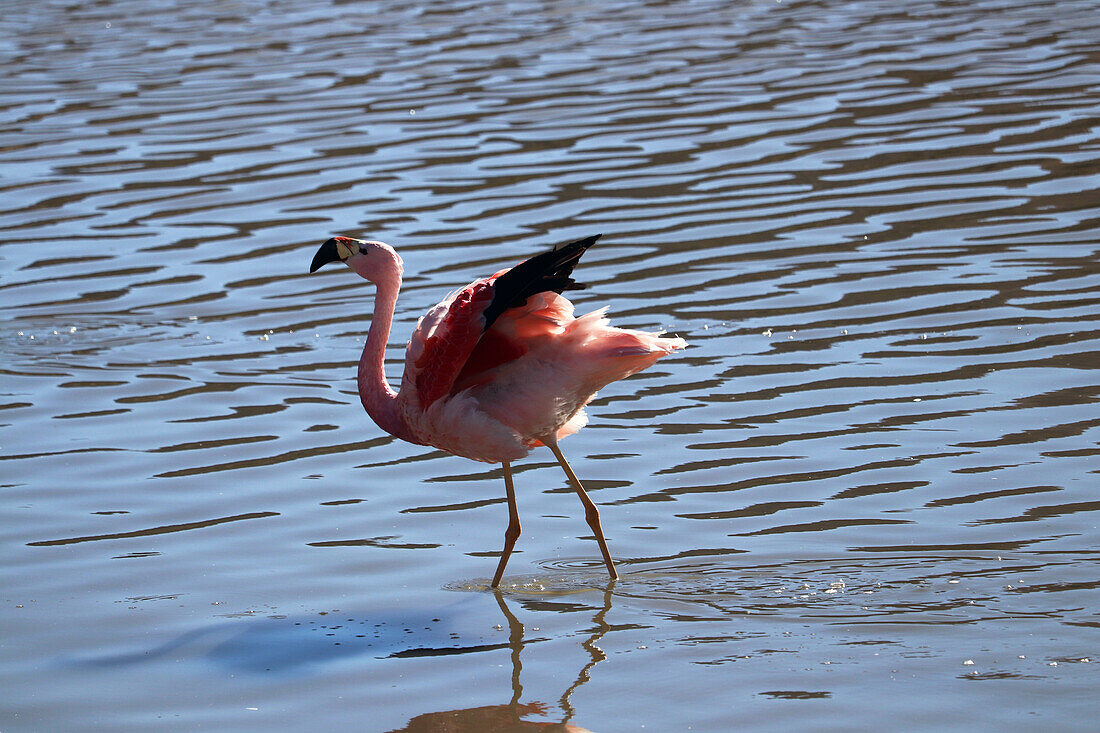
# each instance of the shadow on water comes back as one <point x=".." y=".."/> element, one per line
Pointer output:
<point x="295" y="646"/>
<point x="842" y="610"/>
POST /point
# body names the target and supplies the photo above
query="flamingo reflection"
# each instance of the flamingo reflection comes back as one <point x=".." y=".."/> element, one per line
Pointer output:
<point x="508" y="718"/>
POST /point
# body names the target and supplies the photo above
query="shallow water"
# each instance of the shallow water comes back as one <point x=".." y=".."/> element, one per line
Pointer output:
<point x="865" y="494"/>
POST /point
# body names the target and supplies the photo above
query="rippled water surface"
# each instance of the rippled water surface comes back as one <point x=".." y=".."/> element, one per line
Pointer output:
<point x="866" y="493"/>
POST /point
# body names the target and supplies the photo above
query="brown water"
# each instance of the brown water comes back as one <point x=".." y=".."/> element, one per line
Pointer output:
<point x="864" y="498"/>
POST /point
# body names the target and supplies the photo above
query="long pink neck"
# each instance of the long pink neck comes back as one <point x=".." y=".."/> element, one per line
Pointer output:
<point x="379" y="399"/>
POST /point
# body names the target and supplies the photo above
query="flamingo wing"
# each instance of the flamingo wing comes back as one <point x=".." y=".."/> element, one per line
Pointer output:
<point x="453" y="341"/>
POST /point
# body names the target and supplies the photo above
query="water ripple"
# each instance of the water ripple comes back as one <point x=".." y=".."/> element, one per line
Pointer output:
<point x="876" y="227"/>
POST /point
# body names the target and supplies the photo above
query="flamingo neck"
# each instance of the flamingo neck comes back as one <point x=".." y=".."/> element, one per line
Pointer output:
<point x="379" y="399"/>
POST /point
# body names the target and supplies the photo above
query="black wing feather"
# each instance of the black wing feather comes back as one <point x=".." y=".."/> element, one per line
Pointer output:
<point x="549" y="271"/>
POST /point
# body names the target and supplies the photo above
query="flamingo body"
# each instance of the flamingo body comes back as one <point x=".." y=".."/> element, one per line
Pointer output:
<point x="497" y="367"/>
<point x="492" y="394"/>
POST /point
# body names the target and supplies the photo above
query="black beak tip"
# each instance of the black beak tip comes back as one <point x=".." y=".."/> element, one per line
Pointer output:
<point x="326" y="254"/>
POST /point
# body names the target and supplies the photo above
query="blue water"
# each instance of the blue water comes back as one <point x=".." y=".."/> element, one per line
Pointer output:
<point x="863" y="498"/>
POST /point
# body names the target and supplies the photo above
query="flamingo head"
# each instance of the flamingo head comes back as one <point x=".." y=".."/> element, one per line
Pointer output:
<point x="375" y="261"/>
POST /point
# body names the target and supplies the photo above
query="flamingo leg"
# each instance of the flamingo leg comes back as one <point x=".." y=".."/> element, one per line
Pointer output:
<point x="512" y="533"/>
<point x="591" y="513"/>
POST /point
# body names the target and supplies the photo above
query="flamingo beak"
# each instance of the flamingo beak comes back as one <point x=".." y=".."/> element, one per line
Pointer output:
<point x="337" y="249"/>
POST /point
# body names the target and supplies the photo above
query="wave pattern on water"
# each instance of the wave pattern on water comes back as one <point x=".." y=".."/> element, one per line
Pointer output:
<point x="875" y="225"/>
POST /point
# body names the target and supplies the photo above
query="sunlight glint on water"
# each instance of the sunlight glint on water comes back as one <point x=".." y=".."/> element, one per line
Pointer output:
<point x="868" y="484"/>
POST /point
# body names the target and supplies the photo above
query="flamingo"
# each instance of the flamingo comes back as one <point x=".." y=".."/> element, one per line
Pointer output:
<point x="498" y="367"/>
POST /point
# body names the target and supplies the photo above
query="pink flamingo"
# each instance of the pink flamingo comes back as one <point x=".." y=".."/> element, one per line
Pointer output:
<point x="498" y="367"/>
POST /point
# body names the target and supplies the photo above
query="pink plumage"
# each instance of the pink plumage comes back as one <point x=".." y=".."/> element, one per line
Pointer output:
<point x="498" y="367"/>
